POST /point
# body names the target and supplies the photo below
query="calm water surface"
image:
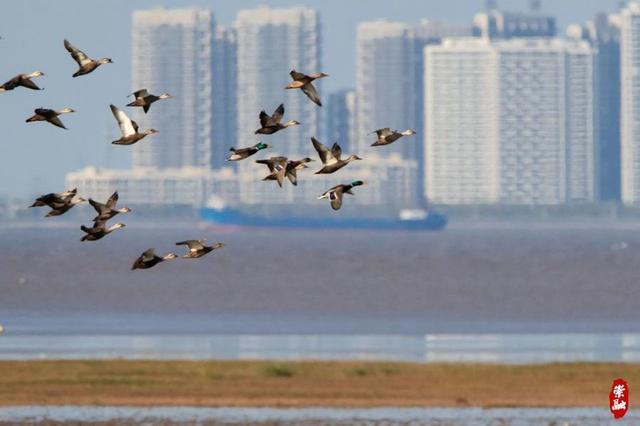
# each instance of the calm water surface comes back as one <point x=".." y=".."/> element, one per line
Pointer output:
<point x="503" y="295"/>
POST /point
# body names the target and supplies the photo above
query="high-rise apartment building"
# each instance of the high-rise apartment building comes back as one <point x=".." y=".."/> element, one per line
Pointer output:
<point x="604" y="35"/>
<point x="271" y="43"/>
<point x="340" y="119"/>
<point x="509" y="121"/>
<point x="224" y="95"/>
<point x="173" y="52"/>
<point x="630" y="103"/>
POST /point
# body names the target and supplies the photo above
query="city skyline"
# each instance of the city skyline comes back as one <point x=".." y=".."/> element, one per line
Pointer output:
<point x="117" y="158"/>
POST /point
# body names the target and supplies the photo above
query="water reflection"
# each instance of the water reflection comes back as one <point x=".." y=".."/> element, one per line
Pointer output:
<point x="502" y="348"/>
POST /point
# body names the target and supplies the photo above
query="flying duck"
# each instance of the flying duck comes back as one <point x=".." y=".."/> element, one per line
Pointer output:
<point x="58" y="209"/>
<point x="149" y="259"/>
<point x="129" y="128"/>
<point x="54" y="198"/>
<point x="303" y="82"/>
<point x="85" y="64"/>
<point x="335" y="194"/>
<point x="278" y="168"/>
<point x="271" y="123"/>
<point x="49" y="115"/>
<point x="331" y="157"/>
<point x="23" y="80"/>
<point x="387" y="136"/>
<point x="197" y="248"/>
<point x="108" y="210"/>
<point x="242" y="153"/>
<point x="99" y="230"/>
<point x="144" y="99"/>
<point x="291" y="171"/>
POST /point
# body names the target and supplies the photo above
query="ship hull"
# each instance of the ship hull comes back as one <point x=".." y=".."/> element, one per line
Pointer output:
<point x="234" y="218"/>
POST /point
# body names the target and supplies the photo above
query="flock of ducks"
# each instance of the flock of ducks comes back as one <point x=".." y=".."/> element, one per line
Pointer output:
<point x="331" y="158"/>
<point x="279" y="167"/>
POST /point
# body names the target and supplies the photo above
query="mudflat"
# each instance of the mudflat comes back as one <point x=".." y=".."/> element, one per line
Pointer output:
<point x="309" y="384"/>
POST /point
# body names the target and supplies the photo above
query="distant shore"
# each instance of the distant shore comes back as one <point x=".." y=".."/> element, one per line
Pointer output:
<point x="308" y="384"/>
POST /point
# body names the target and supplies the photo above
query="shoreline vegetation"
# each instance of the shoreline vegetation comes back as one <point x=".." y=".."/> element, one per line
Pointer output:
<point x="346" y="384"/>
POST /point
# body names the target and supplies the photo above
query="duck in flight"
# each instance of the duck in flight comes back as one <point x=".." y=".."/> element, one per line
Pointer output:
<point x="108" y="210"/>
<point x="197" y="248"/>
<point x="128" y="128"/>
<point x="387" y="136"/>
<point x="59" y="203"/>
<point x="304" y="82"/>
<point x="54" y="198"/>
<point x="335" y="194"/>
<point x="242" y="153"/>
<point x="149" y="259"/>
<point x="271" y="124"/>
<point x="331" y="158"/>
<point x="49" y="115"/>
<point x="85" y="63"/>
<point x="278" y="168"/>
<point x="99" y="230"/>
<point x="144" y="99"/>
<point x="22" y="80"/>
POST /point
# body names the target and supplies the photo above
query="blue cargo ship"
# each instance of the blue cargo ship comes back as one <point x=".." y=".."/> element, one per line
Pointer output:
<point x="406" y="220"/>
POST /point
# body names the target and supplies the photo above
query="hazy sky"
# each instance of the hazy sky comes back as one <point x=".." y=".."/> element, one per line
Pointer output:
<point x="35" y="157"/>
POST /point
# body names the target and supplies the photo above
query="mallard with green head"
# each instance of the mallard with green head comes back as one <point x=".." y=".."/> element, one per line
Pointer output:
<point x="242" y="153"/>
<point x="335" y="194"/>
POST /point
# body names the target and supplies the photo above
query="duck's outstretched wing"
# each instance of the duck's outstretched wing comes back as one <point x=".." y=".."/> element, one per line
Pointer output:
<point x="124" y="122"/>
<point x="278" y="113"/>
<point x="292" y="174"/>
<point x="297" y="76"/>
<point x="311" y="93"/>
<point x="77" y="54"/>
<point x="194" y="245"/>
<point x="142" y="93"/>
<point x="28" y="83"/>
<point x="55" y="120"/>
<point x="336" y="151"/>
<point x="99" y="207"/>
<point x="269" y="163"/>
<point x="148" y="255"/>
<point x="336" y="198"/>
<point x="325" y="155"/>
<point x="264" y="118"/>
<point x="111" y="202"/>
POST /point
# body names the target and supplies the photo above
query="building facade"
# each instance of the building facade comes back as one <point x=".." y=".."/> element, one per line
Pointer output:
<point x="630" y="103"/>
<point x="172" y="51"/>
<point x="340" y="119"/>
<point x="225" y="70"/>
<point x="510" y="122"/>
<point x="271" y="43"/>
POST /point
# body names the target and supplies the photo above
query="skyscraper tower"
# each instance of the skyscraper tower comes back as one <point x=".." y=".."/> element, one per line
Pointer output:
<point x="270" y="43"/>
<point x="510" y="121"/>
<point x="630" y="101"/>
<point x="386" y="65"/>
<point x="604" y="35"/>
<point x="172" y="52"/>
<point x="224" y="95"/>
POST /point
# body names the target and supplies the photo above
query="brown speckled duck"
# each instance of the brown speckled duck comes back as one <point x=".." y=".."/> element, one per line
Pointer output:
<point x="85" y="63"/>
<point x="197" y="248"/>
<point x="22" y="80"/>
<point x="270" y="124"/>
<point x="331" y="158"/>
<point x="149" y="259"/>
<point x="128" y="128"/>
<point x="303" y="82"/>
<point x="49" y="115"/>
<point x="144" y="99"/>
